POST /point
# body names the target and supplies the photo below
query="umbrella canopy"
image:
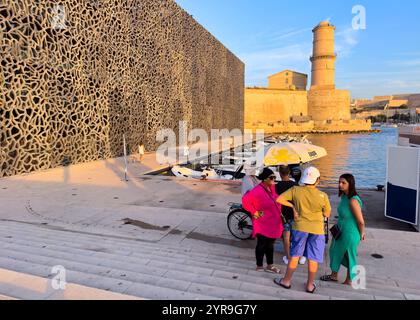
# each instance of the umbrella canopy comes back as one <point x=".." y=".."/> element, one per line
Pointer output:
<point x="292" y="153"/>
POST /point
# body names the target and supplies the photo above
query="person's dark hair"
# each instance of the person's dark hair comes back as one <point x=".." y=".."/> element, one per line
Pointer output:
<point x="284" y="171"/>
<point x="265" y="174"/>
<point x="352" y="185"/>
<point x="296" y="174"/>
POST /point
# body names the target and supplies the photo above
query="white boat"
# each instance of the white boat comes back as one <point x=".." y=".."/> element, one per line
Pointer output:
<point x="409" y="135"/>
<point x="287" y="138"/>
<point x="183" y="172"/>
<point x="226" y="168"/>
<point x="389" y="125"/>
<point x="233" y="163"/>
<point x="206" y="174"/>
<point x="238" y="160"/>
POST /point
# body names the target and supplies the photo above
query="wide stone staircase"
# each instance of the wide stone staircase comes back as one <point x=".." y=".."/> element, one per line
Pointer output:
<point x="159" y="271"/>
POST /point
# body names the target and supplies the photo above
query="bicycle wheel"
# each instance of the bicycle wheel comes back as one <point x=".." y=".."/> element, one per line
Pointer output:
<point x="239" y="223"/>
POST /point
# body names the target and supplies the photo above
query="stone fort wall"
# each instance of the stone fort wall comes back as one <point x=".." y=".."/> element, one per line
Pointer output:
<point x="329" y="105"/>
<point x="266" y="107"/>
<point x="70" y="88"/>
<point x="270" y="110"/>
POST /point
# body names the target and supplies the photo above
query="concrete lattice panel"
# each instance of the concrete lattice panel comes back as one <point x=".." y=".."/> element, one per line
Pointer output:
<point x="71" y="87"/>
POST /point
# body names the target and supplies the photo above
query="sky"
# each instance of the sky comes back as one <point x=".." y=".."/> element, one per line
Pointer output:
<point x="273" y="35"/>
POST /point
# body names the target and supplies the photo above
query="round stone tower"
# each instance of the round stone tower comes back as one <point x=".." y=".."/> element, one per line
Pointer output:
<point x="323" y="57"/>
<point x="325" y="103"/>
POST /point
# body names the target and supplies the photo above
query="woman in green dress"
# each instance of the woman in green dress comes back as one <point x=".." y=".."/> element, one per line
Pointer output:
<point x="352" y="225"/>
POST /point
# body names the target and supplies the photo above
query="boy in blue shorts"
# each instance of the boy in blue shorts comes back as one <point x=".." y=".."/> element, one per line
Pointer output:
<point x="311" y="206"/>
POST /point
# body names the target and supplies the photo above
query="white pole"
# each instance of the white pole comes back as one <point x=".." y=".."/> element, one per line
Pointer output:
<point x="186" y="152"/>
<point x="125" y="159"/>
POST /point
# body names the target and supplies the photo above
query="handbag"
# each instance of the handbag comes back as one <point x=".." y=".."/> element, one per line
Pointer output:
<point x="336" y="232"/>
<point x="283" y="219"/>
<point x="326" y="230"/>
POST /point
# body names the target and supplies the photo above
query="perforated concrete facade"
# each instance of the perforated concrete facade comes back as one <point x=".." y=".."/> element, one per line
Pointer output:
<point x="78" y="74"/>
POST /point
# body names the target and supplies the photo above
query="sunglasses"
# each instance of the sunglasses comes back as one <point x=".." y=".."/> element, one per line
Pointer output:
<point x="272" y="177"/>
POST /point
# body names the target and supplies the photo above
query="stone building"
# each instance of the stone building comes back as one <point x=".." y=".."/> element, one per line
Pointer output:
<point x="78" y="75"/>
<point x="288" y="79"/>
<point x="282" y="109"/>
<point x="389" y="106"/>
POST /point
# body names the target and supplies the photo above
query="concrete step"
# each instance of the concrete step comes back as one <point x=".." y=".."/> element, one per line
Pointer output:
<point x="138" y="258"/>
<point x="102" y="282"/>
<point x="134" y="248"/>
<point x="25" y="253"/>
<point x="225" y="283"/>
<point x="138" y="249"/>
<point x="191" y="279"/>
<point x="201" y="265"/>
<point x="239" y="266"/>
<point x="4" y="297"/>
<point x="173" y="272"/>
<point x="143" y="250"/>
<point x="29" y="287"/>
<point x="127" y="245"/>
<point x="324" y="288"/>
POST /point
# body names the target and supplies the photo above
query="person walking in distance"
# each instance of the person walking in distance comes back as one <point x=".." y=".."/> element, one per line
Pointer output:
<point x="141" y="152"/>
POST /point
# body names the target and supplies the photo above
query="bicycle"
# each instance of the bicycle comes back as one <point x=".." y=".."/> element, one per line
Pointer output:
<point x="239" y="222"/>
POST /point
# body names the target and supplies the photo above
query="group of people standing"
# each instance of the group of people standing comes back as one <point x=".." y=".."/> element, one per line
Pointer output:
<point x="296" y="210"/>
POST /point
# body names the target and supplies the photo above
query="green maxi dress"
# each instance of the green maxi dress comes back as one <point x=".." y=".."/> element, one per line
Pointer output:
<point x="349" y="240"/>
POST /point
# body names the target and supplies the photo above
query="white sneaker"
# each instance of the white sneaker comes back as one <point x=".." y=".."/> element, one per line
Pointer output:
<point x="302" y="260"/>
<point x="285" y="260"/>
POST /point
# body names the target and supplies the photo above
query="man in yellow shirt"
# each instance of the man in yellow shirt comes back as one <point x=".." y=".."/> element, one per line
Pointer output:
<point x="311" y="206"/>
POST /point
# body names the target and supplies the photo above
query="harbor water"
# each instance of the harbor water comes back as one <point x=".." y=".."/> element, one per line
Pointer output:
<point x="363" y="155"/>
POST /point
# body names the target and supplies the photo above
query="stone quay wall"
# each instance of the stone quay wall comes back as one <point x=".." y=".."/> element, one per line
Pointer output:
<point x="282" y="127"/>
<point x="344" y="126"/>
<point x="76" y="75"/>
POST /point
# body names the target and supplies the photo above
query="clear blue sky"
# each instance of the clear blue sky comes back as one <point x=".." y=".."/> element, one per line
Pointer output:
<point x="273" y="35"/>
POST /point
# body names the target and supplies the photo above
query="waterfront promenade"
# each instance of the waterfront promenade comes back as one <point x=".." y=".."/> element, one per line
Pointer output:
<point x="177" y="245"/>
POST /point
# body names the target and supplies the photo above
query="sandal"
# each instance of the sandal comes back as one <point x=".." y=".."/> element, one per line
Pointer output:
<point x="260" y="269"/>
<point x="278" y="281"/>
<point x="273" y="269"/>
<point x="313" y="291"/>
<point x="327" y="278"/>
